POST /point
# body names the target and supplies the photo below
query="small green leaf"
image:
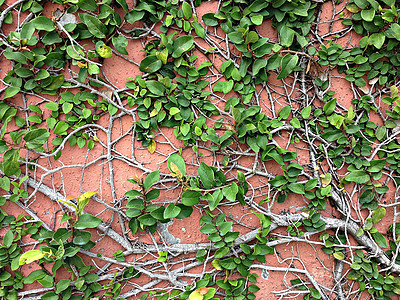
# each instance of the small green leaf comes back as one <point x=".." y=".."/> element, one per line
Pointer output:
<point x="199" y="29"/>
<point x="358" y="176"/>
<point x="150" y="64"/>
<point x="286" y="36"/>
<point x="8" y="238"/>
<point x="62" y="285"/>
<point x="206" y="176"/>
<point x="179" y="162"/>
<point x="10" y="162"/>
<point x="147" y="220"/>
<point x="171" y="211"/>
<point x="181" y="45"/>
<point x="151" y="179"/>
<point x="297" y="188"/>
<point x="11" y="92"/>
<point x="338" y="255"/>
<point x="190" y="198"/>
<point x="95" y="26"/>
<point x="368" y="14"/>
<point x="155" y="87"/>
<point x="87" y="221"/>
<point x="330" y="106"/>
<point x="187" y="10"/>
<point x="43" y="23"/>
<point x="380" y="239"/>
<point x="378" y="214"/>
<point x="288" y="64"/>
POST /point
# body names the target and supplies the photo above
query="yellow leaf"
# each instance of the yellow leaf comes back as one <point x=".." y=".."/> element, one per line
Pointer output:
<point x="352" y="8"/>
<point x="152" y="147"/>
<point x="175" y="171"/>
<point x="215" y="264"/>
<point x="82" y="65"/>
<point x="87" y="195"/>
<point x="326" y="178"/>
<point x="196" y="296"/>
<point x="30" y="256"/>
<point x="393" y="91"/>
<point x="153" y="113"/>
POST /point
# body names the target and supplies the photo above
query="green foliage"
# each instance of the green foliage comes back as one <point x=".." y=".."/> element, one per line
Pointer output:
<point x="213" y="107"/>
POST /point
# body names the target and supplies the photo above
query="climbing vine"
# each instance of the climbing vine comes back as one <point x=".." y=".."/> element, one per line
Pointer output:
<point x="260" y="133"/>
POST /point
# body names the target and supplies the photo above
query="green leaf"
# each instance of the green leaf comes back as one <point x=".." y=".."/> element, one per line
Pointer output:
<point x="338" y="255"/>
<point x="150" y="64"/>
<point x="134" y="15"/>
<point x="124" y="5"/>
<point x="155" y="87"/>
<point x="179" y="162"/>
<point x="8" y="238"/>
<point x="62" y="285"/>
<point x="394" y="31"/>
<point x="225" y="227"/>
<point x="27" y="31"/>
<point x="223" y="86"/>
<point x="181" y="45"/>
<point x="10" y="162"/>
<point x="95" y="26"/>
<point x="50" y="296"/>
<point x="236" y="37"/>
<point x="73" y="51"/>
<point x="87" y="221"/>
<point x="81" y="237"/>
<point x="221" y="252"/>
<point x="310" y="184"/>
<point x="330" y="106"/>
<point x="11" y="91"/>
<point x="199" y="29"/>
<point x="171" y="211"/>
<point x="208" y="229"/>
<point x="258" y="65"/>
<point x="53" y="106"/>
<point x="297" y="188"/>
<point x="376" y="165"/>
<point x="152" y="194"/>
<point x="289" y="62"/>
<point x="43" y="23"/>
<point x="368" y="14"/>
<point x="120" y="42"/>
<point x="380" y="239"/>
<point x="36" y="137"/>
<point x="206" y="176"/>
<point x="378" y="214"/>
<point x="210" y="20"/>
<point x="87" y="4"/>
<point x="151" y="179"/>
<point x="5" y="183"/>
<point x="358" y="176"/>
<point x="61" y="128"/>
<point x="231" y="191"/>
<point x="286" y="36"/>
<point x="187" y="10"/>
<point x="190" y="198"/>
<point x="377" y="39"/>
<point x="147" y="220"/>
